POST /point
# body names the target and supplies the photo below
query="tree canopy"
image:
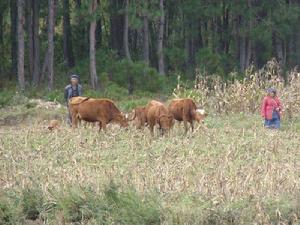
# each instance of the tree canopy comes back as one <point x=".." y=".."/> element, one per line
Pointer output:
<point x="166" y="36"/>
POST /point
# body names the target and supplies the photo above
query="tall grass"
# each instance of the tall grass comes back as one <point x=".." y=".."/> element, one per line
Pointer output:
<point x="245" y="95"/>
<point x="230" y="172"/>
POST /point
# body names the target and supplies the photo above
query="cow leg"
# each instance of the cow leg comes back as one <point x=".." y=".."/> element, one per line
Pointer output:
<point x="100" y="126"/>
<point x="185" y="126"/>
<point x="139" y="124"/>
<point x="151" y="127"/>
<point x="74" y="121"/>
<point x="192" y="125"/>
<point x="103" y="125"/>
<point x="161" y="131"/>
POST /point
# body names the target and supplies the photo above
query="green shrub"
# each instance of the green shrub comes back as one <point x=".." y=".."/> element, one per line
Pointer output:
<point x="5" y="97"/>
<point x="79" y="205"/>
<point x="114" y="91"/>
<point x="6" y="212"/>
<point x="32" y="203"/>
<point x="128" y="207"/>
<point x="209" y="61"/>
<point x="71" y="204"/>
<point x="176" y="58"/>
<point x="18" y="99"/>
<point x="132" y="103"/>
<point x="140" y="75"/>
<point x="55" y="95"/>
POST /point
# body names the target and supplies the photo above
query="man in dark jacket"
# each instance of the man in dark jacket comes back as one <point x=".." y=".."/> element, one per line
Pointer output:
<point x="73" y="89"/>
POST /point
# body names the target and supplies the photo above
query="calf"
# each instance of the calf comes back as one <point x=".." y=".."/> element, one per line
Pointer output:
<point x="53" y="124"/>
<point x="158" y="114"/>
<point x="140" y="115"/>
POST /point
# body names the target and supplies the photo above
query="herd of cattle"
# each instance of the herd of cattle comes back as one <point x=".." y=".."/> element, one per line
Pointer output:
<point x="155" y="113"/>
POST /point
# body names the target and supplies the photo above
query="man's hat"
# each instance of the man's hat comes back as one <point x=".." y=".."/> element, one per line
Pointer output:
<point x="74" y="76"/>
<point x="271" y="90"/>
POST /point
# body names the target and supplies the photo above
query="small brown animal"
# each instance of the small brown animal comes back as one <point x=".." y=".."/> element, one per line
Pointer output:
<point x="186" y="110"/>
<point x="158" y="114"/>
<point x="103" y="111"/>
<point x="140" y="115"/>
<point x="53" y="124"/>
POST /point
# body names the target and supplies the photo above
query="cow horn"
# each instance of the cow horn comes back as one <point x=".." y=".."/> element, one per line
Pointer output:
<point x="133" y="117"/>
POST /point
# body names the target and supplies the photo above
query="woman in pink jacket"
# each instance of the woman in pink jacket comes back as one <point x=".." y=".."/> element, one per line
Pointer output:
<point x="271" y="109"/>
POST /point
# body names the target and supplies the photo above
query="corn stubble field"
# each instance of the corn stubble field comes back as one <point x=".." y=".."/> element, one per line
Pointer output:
<point x="229" y="171"/>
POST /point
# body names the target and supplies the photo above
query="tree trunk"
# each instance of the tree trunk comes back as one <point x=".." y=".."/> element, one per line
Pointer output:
<point x="242" y="51"/>
<point x="161" y="63"/>
<point x="13" y="37"/>
<point x="30" y="34"/>
<point x="125" y="34"/>
<point x="51" y="27"/>
<point x="1" y="43"/>
<point x="36" y="43"/>
<point x="82" y="34"/>
<point x="21" y="76"/>
<point x="279" y="50"/>
<point x="45" y="66"/>
<point x="67" y="36"/>
<point x="146" y="40"/>
<point x="249" y="53"/>
<point x="99" y="33"/>
<point x="297" y="45"/>
<point x="93" y="25"/>
<point x="116" y="24"/>
<point x="188" y="46"/>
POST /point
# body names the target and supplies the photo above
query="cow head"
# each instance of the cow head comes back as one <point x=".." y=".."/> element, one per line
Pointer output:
<point x="122" y="119"/>
<point x="166" y="122"/>
<point x="200" y="115"/>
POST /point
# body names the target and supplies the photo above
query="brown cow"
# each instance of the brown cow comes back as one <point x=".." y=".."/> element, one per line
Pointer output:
<point x="103" y="111"/>
<point x="186" y="110"/>
<point x="158" y="114"/>
<point x="140" y="115"/>
<point x="53" y="124"/>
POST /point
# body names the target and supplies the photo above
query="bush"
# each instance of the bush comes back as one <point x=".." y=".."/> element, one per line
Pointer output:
<point x="73" y="204"/>
<point x="136" y="76"/>
<point x="32" y="203"/>
<point x="209" y="61"/>
<point x="132" y="103"/>
<point x="114" y="91"/>
<point x="5" y="97"/>
<point x="6" y="213"/>
<point x="79" y="204"/>
<point x="130" y="208"/>
<point x="176" y="58"/>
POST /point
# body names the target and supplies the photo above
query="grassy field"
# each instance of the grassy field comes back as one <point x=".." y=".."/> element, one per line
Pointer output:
<point x="229" y="171"/>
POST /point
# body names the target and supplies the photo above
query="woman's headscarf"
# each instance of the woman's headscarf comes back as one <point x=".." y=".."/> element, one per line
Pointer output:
<point x="271" y="90"/>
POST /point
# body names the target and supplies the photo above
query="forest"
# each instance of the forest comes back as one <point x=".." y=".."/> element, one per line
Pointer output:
<point x="216" y="161"/>
<point x="137" y="44"/>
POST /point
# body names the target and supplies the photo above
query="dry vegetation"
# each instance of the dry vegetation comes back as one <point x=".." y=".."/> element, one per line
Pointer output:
<point x="230" y="171"/>
<point x="245" y="95"/>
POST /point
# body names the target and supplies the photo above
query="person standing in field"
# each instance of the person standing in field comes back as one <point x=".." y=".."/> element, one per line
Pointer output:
<point x="271" y="109"/>
<point x="73" y="89"/>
